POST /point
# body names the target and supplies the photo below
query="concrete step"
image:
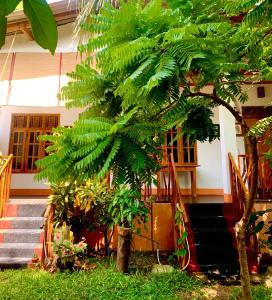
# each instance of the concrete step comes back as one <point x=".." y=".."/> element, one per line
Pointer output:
<point x="21" y="222"/>
<point x="14" y="262"/>
<point x="21" y="235"/>
<point x="24" y="210"/>
<point x="12" y="250"/>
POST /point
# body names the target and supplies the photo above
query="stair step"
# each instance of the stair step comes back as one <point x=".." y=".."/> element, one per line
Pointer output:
<point x="213" y="236"/>
<point x="21" y="222"/>
<point x="25" y="209"/>
<point x="222" y="269"/>
<point x="20" y="235"/>
<point x="19" y="249"/>
<point x="209" y="254"/>
<point x="208" y="221"/>
<point x="216" y="209"/>
<point x="14" y="262"/>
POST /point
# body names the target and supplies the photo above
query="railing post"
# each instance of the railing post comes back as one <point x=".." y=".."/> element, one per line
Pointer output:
<point x="5" y="180"/>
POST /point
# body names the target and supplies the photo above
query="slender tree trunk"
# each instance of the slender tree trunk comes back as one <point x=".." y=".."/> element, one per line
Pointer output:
<point x="240" y="227"/>
<point x="123" y="249"/>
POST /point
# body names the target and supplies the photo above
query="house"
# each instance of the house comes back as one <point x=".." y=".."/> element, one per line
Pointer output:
<point x="30" y="81"/>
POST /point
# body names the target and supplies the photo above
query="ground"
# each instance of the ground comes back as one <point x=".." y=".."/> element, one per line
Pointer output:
<point x="102" y="281"/>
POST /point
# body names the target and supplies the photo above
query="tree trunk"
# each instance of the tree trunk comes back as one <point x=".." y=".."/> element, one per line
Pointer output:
<point x="240" y="227"/>
<point x="123" y="249"/>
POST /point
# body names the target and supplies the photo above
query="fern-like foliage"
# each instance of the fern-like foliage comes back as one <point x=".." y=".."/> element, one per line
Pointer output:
<point x="152" y="61"/>
<point x="94" y="146"/>
<point x="261" y="127"/>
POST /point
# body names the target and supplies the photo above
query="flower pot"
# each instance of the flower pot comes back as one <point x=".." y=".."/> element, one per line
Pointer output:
<point x="66" y="262"/>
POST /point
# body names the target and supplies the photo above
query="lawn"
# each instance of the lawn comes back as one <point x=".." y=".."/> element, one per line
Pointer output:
<point x="100" y="283"/>
<point x="105" y="283"/>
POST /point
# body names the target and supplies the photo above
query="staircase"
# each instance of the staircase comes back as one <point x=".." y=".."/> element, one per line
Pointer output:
<point x="212" y="240"/>
<point x="21" y="233"/>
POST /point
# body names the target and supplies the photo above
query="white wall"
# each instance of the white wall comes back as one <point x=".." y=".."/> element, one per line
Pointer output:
<point x="253" y="98"/>
<point x="25" y="181"/>
<point x="66" y="42"/>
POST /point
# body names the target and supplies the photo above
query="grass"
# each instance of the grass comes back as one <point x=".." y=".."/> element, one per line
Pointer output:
<point x="100" y="283"/>
<point x="105" y="283"/>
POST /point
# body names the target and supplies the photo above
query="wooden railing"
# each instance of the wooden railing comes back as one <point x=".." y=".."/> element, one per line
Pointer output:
<point x="264" y="175"/>
<point x="178" y="206"/>
<point x="47" y="253"/>
<point x="239" y="190"/>
<point x="5" y="178"/>
<point x="240" y="196"/>
<point x="169" y="190"/>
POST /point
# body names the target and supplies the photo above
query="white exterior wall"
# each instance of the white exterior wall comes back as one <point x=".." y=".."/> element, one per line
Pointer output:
<point x="66" y="42"/>
<point x="253" y="98"/>
<point x="228" y="144"/>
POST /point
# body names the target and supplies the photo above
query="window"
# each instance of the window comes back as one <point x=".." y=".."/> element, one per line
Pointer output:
<point x="24" y="143"/>
<point x="184" y="151"/>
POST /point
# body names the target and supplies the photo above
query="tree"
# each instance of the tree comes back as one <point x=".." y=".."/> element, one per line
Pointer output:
<point x="44" y="28"/>
<point x="154" y="61"/>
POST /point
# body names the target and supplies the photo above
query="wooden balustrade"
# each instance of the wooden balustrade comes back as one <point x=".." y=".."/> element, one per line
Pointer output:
<point x="5" y="178"/>
<point x="178" y="205"/>
<point x="169" y="190"/>
<point x="239" y="190"/>
<point x="47" y="253"/>
<point x="264" y="176"/>
<point x="240" y="196"/>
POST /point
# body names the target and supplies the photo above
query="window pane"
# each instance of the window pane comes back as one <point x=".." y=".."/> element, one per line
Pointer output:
<point x="192" y="155"/>
<point x="15" y="138"/>
<point x="36" y="150"/>
<point x="185" y="155"/>
<point x="20" y="121"/>
<point x="21" y="137"/>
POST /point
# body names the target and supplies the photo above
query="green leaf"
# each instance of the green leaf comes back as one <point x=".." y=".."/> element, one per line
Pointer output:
<point x="252" y="219"/>
<point x="11" y="5"/>
<point x="3" y="28"/>
<point x="181" y="252"/>
<point x="258" y="227"/>
<point x="43" y="24"/>
<point x="183" y="237"/>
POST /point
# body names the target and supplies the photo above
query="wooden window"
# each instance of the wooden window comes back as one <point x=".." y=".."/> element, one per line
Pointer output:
<point x="183" y="150"/>
<point x="24" y="143"/>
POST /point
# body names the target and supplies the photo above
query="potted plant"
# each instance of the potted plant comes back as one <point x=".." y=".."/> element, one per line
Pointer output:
<point x="35" y="258"/>
<point x="65" y="250"/>
<point x="126" y="208"/>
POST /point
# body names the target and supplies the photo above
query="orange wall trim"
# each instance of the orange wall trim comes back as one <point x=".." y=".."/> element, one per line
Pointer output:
<point x="30" y="192"/>
<point x="47" y="192"/>
<point x="200" y="192"/>
<point x="228" y="198"/>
